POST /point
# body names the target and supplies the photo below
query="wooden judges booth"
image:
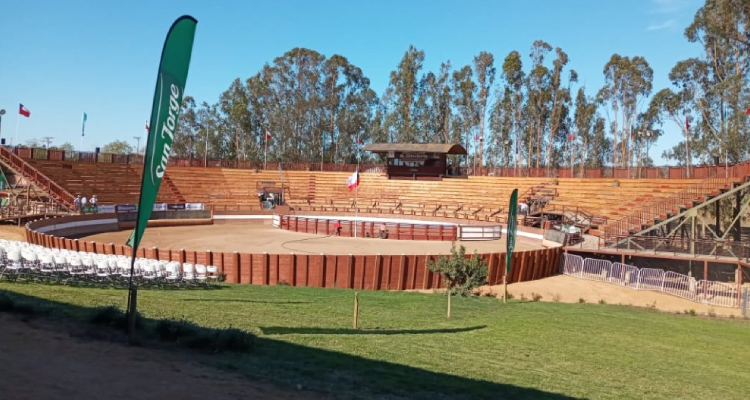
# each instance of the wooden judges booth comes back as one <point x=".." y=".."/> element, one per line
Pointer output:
<point x="418" y="161"/>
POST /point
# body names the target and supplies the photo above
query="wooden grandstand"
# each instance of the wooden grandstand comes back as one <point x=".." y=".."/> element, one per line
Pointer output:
<point x="605" y="206"/>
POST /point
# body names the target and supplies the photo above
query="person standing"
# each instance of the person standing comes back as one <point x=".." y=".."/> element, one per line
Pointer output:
<point x="84" y="203"/>
<point x="77" y="203"/>
<point x="94" y="208"/>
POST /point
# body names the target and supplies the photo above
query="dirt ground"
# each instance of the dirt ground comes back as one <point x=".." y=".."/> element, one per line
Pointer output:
<point x="256" y="238"/>
<point x="11" y="232"/>
<point x="38" y="360"/>
<point x="570" y="290"/>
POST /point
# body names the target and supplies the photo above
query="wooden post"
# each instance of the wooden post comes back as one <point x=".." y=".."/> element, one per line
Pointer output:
<point x="449" y="302"/>
<point x="356" y="310"/>
<point x="505" y="288"/>
<point x="132" y="312"/>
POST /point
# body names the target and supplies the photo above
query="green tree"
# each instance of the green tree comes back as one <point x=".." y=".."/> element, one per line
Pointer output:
<point x="67" y="146"/>
<point x="583" y="120"/>
<point x="484" y="70"/>
<point x="117" y="147"/>
<point x="627" y="85"/>
<point x="460" y="274"/>
<point x="401" y="95"/>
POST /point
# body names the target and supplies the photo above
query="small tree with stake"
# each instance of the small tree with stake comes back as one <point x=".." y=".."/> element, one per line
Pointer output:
<point x="460" y="274"/>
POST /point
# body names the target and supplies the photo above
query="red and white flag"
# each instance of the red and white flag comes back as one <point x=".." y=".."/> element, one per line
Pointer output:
<point x="353" y="180"/>
<point x="148" y="127"/>
<point x="747" y="111"/>
<point x="687" y="123"/>
<point x="23" y="111"/>
<point x="268" y="134"/>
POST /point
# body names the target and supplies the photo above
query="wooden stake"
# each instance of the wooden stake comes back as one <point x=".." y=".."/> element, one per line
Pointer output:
<point x="505" y="288"/>
<point x="449" y="303"/>
<point x="356" y="310"/>
<point x="132" y="312"/>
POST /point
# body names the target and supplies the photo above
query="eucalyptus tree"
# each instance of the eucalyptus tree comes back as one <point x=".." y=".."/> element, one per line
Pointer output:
<point x="584" y="119"/>
<point x="718" y="81"/>
<point x="401" y="95"/>
<point x="627" y="85"/>
<point x="484" y="70"/>
<point x="514" y="79"/>
<point x="465" y="103"/>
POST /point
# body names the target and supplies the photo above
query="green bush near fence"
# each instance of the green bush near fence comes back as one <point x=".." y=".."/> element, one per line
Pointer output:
<point x="405" y="348"/>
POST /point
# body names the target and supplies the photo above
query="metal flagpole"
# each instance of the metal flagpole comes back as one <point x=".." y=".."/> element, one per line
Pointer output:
<point x="265" y="151"/>
<point x="18" y="122"/>
<point x="356" y="190"/>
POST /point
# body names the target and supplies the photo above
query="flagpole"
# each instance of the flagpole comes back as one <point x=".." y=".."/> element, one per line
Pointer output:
<point x="18" y="122"/>
<point x="265" y="151"/>
<point x="356" y="191"/>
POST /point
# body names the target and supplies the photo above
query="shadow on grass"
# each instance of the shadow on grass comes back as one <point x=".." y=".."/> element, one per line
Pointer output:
<point x="334" y="373"/>
<point x="249" y="301"/>
<point x="285" y="330"/>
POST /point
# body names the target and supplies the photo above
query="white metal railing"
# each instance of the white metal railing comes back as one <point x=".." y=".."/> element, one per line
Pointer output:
<point x="709" y="292"/>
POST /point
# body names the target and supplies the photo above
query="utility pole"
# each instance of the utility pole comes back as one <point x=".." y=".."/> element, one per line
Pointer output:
<point x="137" y="144"/>
<point x="47" y="140"/>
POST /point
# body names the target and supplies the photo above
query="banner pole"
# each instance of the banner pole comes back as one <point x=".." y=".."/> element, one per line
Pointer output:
<point x="18" y="122"/>
<point x="170" y="87"/>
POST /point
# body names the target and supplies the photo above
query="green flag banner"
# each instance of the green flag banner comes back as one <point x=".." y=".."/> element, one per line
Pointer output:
<point x="170" y="86"/>
<point x="512" y="222"/>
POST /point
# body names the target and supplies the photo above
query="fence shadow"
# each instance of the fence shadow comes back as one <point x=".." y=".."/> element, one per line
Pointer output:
<point x="248" y="301"/>
<point x="327" y="372"/>
<point x="284" y="330"/>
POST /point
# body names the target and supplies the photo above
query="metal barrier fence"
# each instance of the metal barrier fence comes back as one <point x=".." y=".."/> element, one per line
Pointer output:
<point x="709" y="292"/>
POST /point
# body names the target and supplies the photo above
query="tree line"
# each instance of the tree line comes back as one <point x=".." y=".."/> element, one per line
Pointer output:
<point x="518" y="111"/>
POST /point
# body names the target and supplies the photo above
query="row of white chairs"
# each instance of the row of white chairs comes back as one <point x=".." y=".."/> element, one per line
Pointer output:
<point x="18" y="258"/>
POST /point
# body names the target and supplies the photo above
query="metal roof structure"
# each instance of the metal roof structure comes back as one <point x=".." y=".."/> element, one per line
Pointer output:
<point x="444" y="148"/>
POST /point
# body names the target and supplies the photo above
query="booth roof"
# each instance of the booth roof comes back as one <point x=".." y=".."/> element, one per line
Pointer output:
<point x="426" y="147"/>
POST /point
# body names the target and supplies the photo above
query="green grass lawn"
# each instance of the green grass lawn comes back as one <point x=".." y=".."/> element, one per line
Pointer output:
<point x="407" y="348"/>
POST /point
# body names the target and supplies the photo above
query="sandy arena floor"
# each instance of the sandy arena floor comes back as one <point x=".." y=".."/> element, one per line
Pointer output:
<point x="256" y="238"/>
<point x="568" y="289"/>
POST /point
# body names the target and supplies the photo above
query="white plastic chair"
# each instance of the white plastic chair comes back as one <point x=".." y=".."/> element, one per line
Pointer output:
<point x="200" y="272"/>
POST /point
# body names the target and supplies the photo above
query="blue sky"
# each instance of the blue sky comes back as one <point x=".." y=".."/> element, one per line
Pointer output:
<point x="60" y="58"/>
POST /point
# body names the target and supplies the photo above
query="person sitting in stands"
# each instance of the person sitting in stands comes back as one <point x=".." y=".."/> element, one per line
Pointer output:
<point x="337" y="228"/>
<point x="383" y="231"/>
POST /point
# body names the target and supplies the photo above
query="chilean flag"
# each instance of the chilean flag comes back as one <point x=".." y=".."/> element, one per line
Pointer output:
<point x="148" y="128"/>
<point x="23" y="111"/>
<point x="353" y="180"/>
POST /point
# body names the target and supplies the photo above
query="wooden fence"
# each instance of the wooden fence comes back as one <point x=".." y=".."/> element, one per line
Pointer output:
<point x="396" y="231"/>
<point x="367" y="272"/>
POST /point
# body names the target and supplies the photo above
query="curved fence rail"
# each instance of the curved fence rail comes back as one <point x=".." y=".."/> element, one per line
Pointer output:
<point x="709" y="292"/>
<point x="369" y="272"/>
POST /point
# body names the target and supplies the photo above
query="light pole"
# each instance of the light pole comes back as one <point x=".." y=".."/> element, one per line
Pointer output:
<point x="2" y="112"/>
<point x="137" y="143"/>
<point x="647" y="134"/>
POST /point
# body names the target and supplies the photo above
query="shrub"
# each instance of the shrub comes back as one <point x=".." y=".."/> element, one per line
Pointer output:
<point x="556" y="298"/>
<point x="523" y="297"/>
<point x="602" y="301"/>
<point x="113" y="317"/>
<point x="692" y="313"/>
<point x="460" y="274"/>
<point x="282" y="283"/>
<point x="581" y="300"/>
<point x="711" y="312"/>
<point x="510" y="296"/>
<point x="535" y="296"/>
<point x="6" y="303"/>
<point x="196" y="337"/>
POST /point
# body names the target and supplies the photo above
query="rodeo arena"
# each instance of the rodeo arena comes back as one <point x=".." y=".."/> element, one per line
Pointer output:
<point x="375" y="227"/>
